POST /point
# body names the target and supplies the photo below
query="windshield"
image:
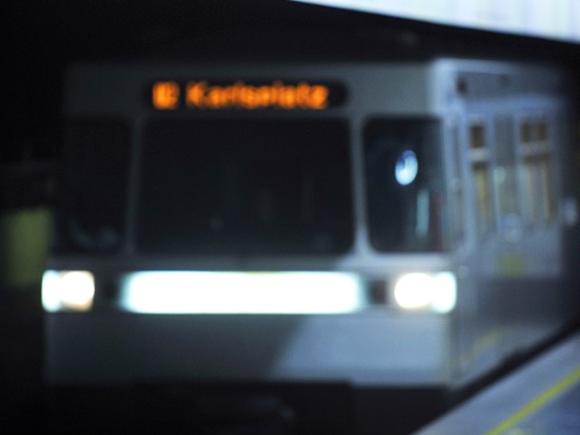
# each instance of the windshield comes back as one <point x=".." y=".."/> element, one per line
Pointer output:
<point x="403" y="180"/>
<point x="237" y="186"/>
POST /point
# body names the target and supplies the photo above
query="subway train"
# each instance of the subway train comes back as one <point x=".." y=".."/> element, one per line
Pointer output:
<point x="392" y="224"/>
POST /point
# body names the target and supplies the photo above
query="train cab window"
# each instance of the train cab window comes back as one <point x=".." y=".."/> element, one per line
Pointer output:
<point x="403" y="184"/>
<point x="93" y="185"/>
<point x="245" y="186"/>
<point x="538" y="193"/>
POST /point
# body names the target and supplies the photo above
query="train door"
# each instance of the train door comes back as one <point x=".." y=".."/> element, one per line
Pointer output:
<point x="459" y="229"/>
<point x="538" y="139"/>
<point x="473" y="224"/>
<point x="510" y="261"/>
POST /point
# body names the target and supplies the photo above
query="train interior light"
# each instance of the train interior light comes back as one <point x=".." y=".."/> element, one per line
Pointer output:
<point x="406" y="168"/>
<point x="68" y="290"/>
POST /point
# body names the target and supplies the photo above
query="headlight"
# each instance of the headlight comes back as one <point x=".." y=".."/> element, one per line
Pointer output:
<point x="68" y="290"/>
<point x="426" y="291"/>
<point x="242" y="292"/>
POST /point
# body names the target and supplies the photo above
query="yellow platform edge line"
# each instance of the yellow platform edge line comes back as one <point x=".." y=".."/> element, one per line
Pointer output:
<point x="525" y="411"/>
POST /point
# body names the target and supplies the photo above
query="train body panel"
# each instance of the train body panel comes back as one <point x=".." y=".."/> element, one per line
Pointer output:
<point x="146" y="348"/>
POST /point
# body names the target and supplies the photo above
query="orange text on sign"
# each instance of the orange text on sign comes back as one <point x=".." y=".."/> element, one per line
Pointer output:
<point x="241" y="95"/>
<point x="165" y="95"/>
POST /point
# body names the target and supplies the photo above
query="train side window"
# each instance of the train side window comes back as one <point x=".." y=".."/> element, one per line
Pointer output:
<point x="542" y="130"/>
<point x="538" y="189"/>
<point x="477" y="135"/>
<point x="538" y="193"/>
<point x="505" y="178"/>
<point x="480" y="170"/>
<point x="483" y="198"/>
<point x="534" y="131"/>
<point x="456" y="187"/>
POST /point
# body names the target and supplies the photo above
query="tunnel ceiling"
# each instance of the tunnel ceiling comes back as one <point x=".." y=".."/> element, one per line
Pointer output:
<point x="45" y="36"/>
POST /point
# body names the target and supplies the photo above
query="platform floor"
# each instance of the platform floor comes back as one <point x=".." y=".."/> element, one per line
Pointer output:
<point x="541" y="398"/>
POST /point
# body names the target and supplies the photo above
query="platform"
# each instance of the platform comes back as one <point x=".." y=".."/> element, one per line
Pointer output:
<point x="542" y="397"/>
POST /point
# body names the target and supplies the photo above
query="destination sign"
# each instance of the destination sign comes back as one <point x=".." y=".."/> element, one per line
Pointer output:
<point x="202" y="94"/>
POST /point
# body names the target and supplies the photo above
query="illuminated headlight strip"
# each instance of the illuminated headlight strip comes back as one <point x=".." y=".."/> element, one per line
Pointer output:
<point x="72" y="290"/>
<point x="418" y="291"/>
<point x="242" y="293"/>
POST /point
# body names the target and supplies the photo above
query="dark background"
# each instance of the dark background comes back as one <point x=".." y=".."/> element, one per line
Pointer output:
<point x="44" y="36"/>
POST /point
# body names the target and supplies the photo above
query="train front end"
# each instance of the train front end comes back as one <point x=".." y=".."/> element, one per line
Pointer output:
<point x="278" y="223"/>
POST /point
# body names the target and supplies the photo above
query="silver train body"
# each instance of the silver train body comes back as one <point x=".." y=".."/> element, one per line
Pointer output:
<point x="435" y="244"/>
